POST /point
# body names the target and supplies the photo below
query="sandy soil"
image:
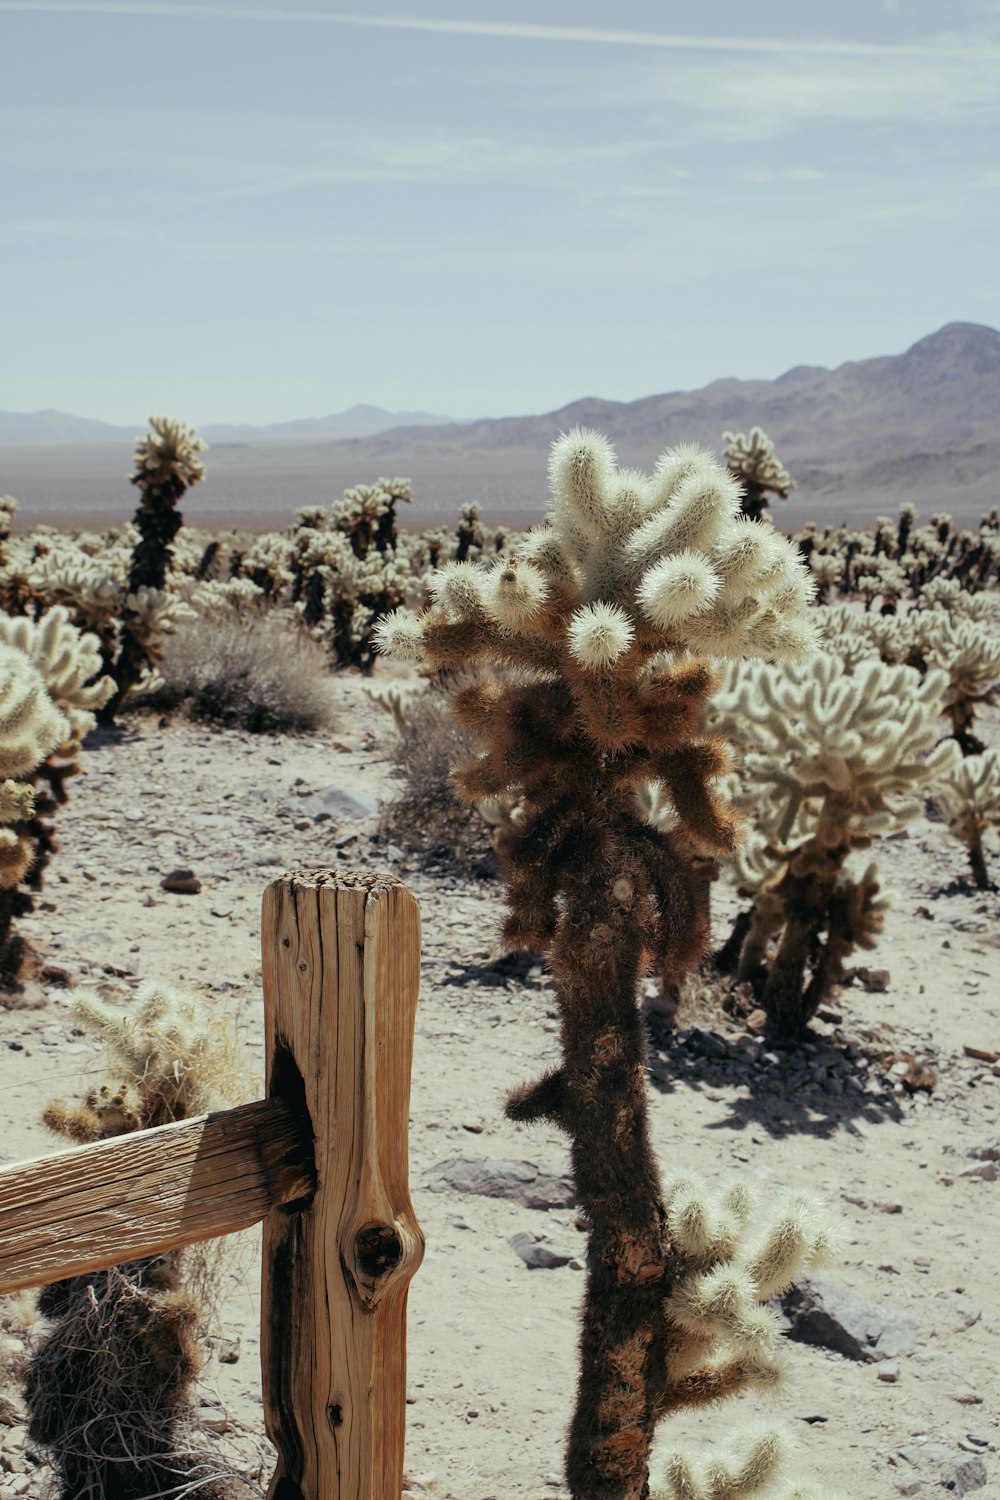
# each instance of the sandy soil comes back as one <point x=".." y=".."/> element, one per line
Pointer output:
<point x="491" y="1343"/>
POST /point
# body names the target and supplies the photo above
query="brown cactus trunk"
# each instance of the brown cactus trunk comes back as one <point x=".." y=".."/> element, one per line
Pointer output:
<point x="599" y="1097"/>
<point x="977" y="859"/>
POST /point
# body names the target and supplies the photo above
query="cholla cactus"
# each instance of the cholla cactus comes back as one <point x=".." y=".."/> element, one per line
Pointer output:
<point x="8" y="510"/>
<point x="107" y="1385"/>
<point x="167" y="464"/>
<point x="748" y="1467"/>
<point x="397" y="698"/>
<point x="30" y="728"/>
<point x="471" y="536"/>
<point x="163" y="1060"/>
<point x="885" y="579"/>
<point x="48" y="705"/>
<point x="367" y="514"/>
<point x="68" y="660"/>
<point x="596" y="613"/>
<point x="970" y="654"/>
<point x="756" y="465"/>
<point x="826" y="570"/>
<point x="268" y="564"/>
<point x="732" y="1258"/>
<point x="950" y="595"/>
<point x="830" y="759"/>
<point x="339" y="594"/>
<point x="970" y="800"/>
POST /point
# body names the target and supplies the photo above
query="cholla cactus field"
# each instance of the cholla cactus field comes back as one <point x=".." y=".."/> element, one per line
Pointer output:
<point x="672" y="731"/>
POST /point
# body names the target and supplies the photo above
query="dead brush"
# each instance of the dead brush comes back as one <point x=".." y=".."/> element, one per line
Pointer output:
<point x="107" y="1384"/>
<point x="426" y="816"/>
<point x="258" y="672"/>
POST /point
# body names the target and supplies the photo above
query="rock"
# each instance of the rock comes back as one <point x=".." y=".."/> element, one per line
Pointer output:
<point x="756" y="1022"/>
<point x="707" y="1043"/>
<point x="827" y="1315"/>
<point x="888" y="1371"/>
<point x="212" y="1420"/>
<point x="989" y="1152"/>
<point x="537" y="1255"/>
<point x="227" y="1351"/>
<point x="519" y="1181"/>
<point x="944" y="1467"/>
<point x="964" y="1476"/>
<point x="345" y="804"/>
<point x="951" y="1313"/>
<point x="984" y="1171"/>
<point x="875" y="981"/>
<point x="181" y="883"/>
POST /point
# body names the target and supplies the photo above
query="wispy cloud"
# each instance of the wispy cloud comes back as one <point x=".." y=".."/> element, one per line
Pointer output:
<point x="771" y="99"/>
<point x="514" y="30"/>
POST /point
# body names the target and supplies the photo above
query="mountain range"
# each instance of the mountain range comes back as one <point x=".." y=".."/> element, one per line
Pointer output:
<point x="46" y="427"/>
<point x="919" y="426"/>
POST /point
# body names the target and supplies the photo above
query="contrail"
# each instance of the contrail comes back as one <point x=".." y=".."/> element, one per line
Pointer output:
<point x="512" y="30"/>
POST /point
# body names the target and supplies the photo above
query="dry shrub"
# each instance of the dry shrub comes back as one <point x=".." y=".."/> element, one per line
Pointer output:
<point x="108" y="1384"/>
<point x="258" y="672"/>
<point x="426" y="816"/>
<point x="107" y="1387"/>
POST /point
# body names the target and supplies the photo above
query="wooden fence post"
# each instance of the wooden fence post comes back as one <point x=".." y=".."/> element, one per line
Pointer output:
<point x="341" y="966"/>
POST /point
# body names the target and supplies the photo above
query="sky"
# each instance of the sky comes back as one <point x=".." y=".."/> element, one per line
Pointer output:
<point x="255" y="212"/>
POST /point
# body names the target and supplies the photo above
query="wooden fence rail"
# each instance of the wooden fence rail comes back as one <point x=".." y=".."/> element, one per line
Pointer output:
<point x="322" y="1161"/>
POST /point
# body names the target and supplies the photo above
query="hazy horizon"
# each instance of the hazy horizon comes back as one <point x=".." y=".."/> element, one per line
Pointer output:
<point x="257" y="213"/>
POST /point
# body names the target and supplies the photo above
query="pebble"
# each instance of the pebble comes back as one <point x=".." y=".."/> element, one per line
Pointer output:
<point x="888" y="1372"/>
<point x="538" y="1255"/>
<point x="181" y="882"/>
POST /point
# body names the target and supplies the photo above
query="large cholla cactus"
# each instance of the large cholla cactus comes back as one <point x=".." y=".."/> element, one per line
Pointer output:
<point x="829" y="758"/>
<point x="970" y="800"/>
<point x="731" y="1258"/>
<point x="166" y="465"/>
<point x="108" y="1383"/>
<point x="595" y="614"/>
<point x="758" y="468"/>
<point x="49" y="702"/>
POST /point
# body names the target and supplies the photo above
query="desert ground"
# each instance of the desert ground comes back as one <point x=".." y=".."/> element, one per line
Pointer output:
<point x="491" y="1352"/>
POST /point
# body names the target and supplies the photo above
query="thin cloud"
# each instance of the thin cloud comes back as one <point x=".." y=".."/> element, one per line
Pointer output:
<point x="513" y="30"/>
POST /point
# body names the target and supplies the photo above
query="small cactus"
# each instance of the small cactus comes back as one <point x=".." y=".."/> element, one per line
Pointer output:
<point x="756" y="465"/>
<point x="970" y="800"/>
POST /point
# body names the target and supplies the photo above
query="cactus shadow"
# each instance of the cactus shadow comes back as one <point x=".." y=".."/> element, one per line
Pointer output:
<point x="811" y="1088"/>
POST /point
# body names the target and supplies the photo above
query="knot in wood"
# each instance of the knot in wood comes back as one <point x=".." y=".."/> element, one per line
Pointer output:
<point x="378" y="1249"/>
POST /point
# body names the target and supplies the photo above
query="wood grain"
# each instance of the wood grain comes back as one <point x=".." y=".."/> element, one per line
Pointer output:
<point x="341" y="963"/>
<point x="154" y="1190"/>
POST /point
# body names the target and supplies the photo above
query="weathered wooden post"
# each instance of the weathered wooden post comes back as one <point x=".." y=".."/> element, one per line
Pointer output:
<point x="341" y="967"/>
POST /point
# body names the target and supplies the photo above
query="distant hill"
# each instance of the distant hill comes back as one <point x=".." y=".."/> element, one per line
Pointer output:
<point x="357" y="422"/>
<point x="926" y="419"/>
<point x="26" y="429"/>
<point x="859" y="439"/>
<point x="43" y="428"/>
